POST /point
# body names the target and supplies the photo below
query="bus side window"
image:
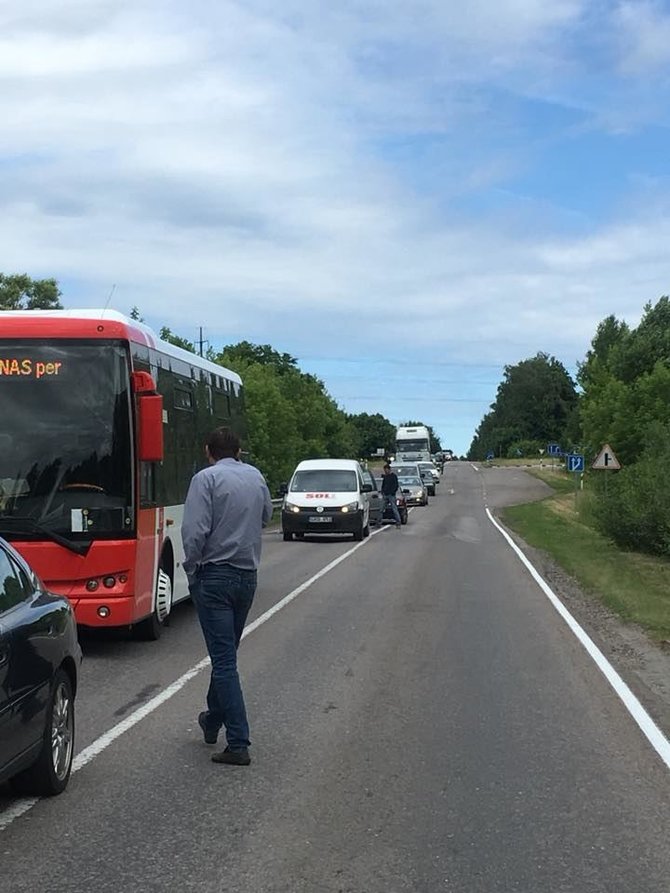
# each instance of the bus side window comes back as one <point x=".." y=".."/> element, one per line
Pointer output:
<point x="147" y="484"/>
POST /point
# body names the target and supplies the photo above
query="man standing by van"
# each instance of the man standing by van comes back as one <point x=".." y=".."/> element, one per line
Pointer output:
<point x="226" y="508"/>
<point x="389" y="489"/>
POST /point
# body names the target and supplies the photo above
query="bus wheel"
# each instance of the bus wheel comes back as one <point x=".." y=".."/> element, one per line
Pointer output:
<point x="151" y="628"/>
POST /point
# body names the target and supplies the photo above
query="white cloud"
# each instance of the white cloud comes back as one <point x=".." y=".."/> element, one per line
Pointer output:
<point x="643" y="30"/>
<point x="232" y="164"/>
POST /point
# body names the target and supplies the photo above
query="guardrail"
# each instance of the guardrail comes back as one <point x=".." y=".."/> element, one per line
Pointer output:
<point x="276" y="502"/>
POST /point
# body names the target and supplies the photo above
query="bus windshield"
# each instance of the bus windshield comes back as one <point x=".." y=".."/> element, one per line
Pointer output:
<point x="65" y="439"/>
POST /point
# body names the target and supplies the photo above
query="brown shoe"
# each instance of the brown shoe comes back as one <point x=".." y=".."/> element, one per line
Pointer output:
<point x="232" y="757"/>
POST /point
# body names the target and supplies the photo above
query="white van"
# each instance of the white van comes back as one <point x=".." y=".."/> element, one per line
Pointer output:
<point x="326" y="496"/>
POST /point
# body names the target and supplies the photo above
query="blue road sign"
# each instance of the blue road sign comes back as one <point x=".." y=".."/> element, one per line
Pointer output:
<point x="554" y="449"/>
<point x="575" y="462"/>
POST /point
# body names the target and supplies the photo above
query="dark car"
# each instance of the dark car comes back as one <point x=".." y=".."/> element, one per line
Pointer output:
<point x="400" y="501"/>
<point x="375" y="497"/>
<point x="39" y="665"/>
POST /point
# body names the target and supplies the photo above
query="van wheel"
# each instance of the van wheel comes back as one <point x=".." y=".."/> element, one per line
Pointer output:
<point x="366" y="530"/>
<point x="287" y="536"/>
<point x="359" y="534"/>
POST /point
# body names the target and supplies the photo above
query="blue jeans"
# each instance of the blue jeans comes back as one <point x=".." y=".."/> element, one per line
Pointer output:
<point x="223" y="595"/>
<point x="390" y="501"/>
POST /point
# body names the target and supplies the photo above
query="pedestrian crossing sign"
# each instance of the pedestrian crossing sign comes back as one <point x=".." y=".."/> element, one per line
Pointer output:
<point x="606" y="459"/>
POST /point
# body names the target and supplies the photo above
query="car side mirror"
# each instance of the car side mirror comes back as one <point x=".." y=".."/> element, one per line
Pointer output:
<point x="283" y="489"/>
<point x="367" y="488"/>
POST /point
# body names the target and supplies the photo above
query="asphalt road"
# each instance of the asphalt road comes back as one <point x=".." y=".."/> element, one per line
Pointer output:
<point x="422" y="720"/>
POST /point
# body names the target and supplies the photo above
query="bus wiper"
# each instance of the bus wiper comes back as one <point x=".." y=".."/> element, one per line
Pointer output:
<point x="18" y="524"/>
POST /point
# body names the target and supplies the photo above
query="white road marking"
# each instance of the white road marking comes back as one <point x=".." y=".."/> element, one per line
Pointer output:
<point x="647" y="725"/>
<point x="23" y="805"/>
<point x="16" y="810"/>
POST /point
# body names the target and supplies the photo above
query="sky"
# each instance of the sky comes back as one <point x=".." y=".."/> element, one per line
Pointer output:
<point x="406" y="196"/>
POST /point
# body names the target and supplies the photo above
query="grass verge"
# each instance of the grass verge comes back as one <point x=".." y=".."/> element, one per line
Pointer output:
<point x="633" y="585"/>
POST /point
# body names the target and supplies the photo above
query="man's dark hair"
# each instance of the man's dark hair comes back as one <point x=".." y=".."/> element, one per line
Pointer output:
<point x="387" y="466"/>
<point x="223" y="443"/>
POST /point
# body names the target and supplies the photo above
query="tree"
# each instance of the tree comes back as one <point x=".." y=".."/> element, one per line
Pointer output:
<point x="626" y="382"/>
<point x="167" y="335"/>
<point x="291" y="416"/>
<point x="263" y="354"/>
<point x="534" y="402"/>
<point x="374" y="432"/>
<point x="20" y="292"/>
<point x="135" y="314"/>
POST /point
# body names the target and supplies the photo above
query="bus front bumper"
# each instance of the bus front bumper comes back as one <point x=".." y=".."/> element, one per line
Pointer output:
<point x="104" y="611"/>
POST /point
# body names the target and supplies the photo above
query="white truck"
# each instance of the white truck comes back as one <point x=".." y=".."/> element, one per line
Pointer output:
<point x="412" y="444"/>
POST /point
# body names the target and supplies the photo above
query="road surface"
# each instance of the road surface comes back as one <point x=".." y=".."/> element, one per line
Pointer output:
<point x="422" y="720"/>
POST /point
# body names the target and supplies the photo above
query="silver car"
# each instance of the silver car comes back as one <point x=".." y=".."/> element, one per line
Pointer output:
<point x="414" y="487"/>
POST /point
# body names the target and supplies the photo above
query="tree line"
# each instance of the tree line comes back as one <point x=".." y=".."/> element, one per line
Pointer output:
<point x="621" y="397"/>
<point x="290" y="414"/>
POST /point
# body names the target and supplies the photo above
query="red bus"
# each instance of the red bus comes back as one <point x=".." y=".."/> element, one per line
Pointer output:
<point x="102" y="427"/>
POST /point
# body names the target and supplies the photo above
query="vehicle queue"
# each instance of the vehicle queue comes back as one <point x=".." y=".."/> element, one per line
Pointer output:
<point x="336" y="496"/>
<point x="90" y="526"/>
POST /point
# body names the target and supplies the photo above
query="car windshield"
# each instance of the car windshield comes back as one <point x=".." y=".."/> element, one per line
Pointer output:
<point x="405" y="470"/>
<point x="65" y="440"/>
<point x="409" y="481"/>
<point x="324" y="480"/>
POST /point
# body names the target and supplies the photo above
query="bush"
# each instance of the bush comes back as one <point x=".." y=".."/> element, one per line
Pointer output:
<point x="528" y="449"/>
<point x="633" y="505"/>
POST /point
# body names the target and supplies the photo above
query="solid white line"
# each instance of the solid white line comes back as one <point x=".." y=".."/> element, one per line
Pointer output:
<point x="20" y="807"/>
<point x="647" y="725"/>
<point x="16" y="810"/>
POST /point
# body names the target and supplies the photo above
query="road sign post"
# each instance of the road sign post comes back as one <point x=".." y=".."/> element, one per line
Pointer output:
<point x="574" y="463"/>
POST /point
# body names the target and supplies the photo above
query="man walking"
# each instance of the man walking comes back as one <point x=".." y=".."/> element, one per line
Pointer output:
<point x="389" y="489"/>
<point x="227" y="505"/>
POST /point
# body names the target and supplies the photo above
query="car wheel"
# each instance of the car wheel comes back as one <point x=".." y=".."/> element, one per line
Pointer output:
<point x="299" y="536"/>
<point x="287" y="536"/>
<point x="403" y="517"/>
<point x="150" y="629"/>
<point x="360" y="533"/>
<point x="366" y="530"/>
<point x="50" y="773"/>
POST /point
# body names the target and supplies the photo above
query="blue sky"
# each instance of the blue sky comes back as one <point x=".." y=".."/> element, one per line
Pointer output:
<point x="405" y="196"/>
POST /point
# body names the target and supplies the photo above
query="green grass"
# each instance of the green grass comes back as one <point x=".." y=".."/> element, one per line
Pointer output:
<point x="633" y="585"/>
<point x="534" y="461"/>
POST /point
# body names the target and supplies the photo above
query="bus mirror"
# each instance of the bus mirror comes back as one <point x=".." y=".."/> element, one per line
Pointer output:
<point x="143" y="383"/>
<point x="150" y="424"/>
